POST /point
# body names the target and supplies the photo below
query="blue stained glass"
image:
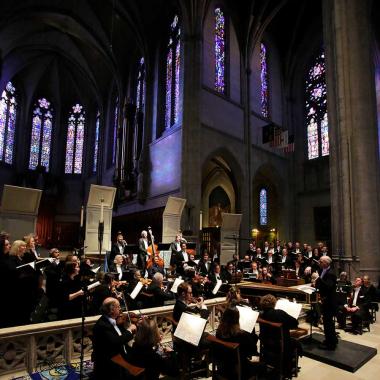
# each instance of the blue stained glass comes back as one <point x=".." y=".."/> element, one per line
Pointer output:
<point x="263" y="207"/>
<point x="96" y="145"/>
<point x="75" y="140"/>
<point x="140" y="91"/>
<point x="220" y="45"/>
<point x="316" y="110"/>
<point x="173" y="68"/>
<point x="264" y="81"/>
<point x="114" y="142"/>
<point x="8" y="111"/>
<point x="40" y="142"/>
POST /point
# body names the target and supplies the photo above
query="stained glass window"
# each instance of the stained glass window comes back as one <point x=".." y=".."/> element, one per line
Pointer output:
<point x="115" y="124"/>
<point x="75" y="140"/>
<point x="8" y="112"/>
<point x="173" y="69"/>
<point x="96" y="143"/>
<point x="40" y="141"/>
<point x="316" y="110"/>
<point x="263" y="207"/>
<point x="220" y="46"/>
<point x="140" y="91"/>
<point x="264" y="81"/>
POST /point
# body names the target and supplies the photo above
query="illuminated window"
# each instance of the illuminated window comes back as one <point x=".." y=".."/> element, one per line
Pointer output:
<point x="173" y="66"/>
<point x="220" y="50"/>
<point x="263" y="207"/>
<point x="140" y="91"/>
<point x="75" y="140"/>
<point x="264" y="81"/>
<point x="316" y="110"/>
<point x="40" y="142"/>
<point x="115" y="125"/>
<point x="8" y="108"/>
<point x="96" y="142"/>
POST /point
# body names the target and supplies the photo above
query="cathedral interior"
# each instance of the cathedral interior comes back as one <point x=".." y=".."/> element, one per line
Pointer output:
<point x="266" y="108"/>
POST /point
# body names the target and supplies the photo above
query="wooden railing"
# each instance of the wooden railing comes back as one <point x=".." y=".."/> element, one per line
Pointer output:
<point x="25" y="349"/>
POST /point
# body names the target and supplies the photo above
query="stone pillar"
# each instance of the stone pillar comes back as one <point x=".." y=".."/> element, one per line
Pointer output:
<point x="191" y="176"/>
<point x="354" y="150"/>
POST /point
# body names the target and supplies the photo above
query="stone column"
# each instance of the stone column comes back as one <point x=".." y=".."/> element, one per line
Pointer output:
<point x="354" y="150"/>
<point x="191" y="176"/>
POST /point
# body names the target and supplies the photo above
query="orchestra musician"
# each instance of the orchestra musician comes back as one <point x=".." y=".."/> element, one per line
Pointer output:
<point x="143" y="246"/>
<point x="31" y="252"/>
<point x="175" y="247"/>
<point x="119" y="268"/>
<point x="157" y="288"/>
<point x="110" y="337"/>
<point x="118" y="247"/>
<point x="157" y="266"/>
<point x="204" y="265"/>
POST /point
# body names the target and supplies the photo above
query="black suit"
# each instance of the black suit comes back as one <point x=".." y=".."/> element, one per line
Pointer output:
<point x="115" y="250"/>
<point x="159" y="295"/>
<point x="141" y="258"/>
<point x="106" y="344"/>
<point x="327" y="290"/>
<point x="203" y="269"/>
<point x="181" y="307"/>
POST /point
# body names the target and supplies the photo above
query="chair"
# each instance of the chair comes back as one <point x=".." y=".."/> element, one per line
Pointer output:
<point x="225" y="359"/>
<point x="373" y="308"/>
<point x="133" y="371"/>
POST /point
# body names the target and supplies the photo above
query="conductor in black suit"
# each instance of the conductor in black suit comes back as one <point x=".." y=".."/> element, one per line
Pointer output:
<point x="110" y="338"/>
<point x="326" y="284"/>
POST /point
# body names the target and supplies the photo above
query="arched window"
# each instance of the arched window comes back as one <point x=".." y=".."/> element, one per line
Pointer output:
<point x="115" y="124"/>
<point x="8" y="108"/>
<point x="316" y="110"/>
<point x="40" y="142"/>
<point x="140" y="90"/>
<point x="96" y="142"/>
<point x="75" y="140"/>
<point x="264" y="81"/>
<point x="263" y="207"/>
<point x="173" y="64"/>
<point x="220" y="51"/>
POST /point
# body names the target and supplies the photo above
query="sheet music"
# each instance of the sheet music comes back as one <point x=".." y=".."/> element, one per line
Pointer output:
<point x="31" y="264"/>
<point x="248" y="318"/>
<point x="95" y="270"/>
<point x="94" y="285"/>
<point x="177" y="282"/>
<point x="306" y="289"/>
<point x="217" y="286"/>
<point x="292" y="308"/>
<point x="136" y="290"/>
<point x="190" y="328"/>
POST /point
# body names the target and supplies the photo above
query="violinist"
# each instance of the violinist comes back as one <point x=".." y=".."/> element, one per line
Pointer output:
<point x="103" y="291"/>
<point x="110" y="337"/>
<point x="119" y="268"/>
<point x="118" y="247"/>
<point x="158" y="290"/>
<point x="143" y="246"/>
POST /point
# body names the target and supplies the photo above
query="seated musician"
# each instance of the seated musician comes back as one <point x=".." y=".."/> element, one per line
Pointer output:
<point x="190" y="266"/>
<point x="119" y="268"/>
<point x="103" y="291"/>
<point x="234" y="261"/>
<point x="356" y="307"/>
<point x="156" y="288"/>
<point x="254" y="270"/>
<point x="266" y="276"/>
<point x="299" y="266"/>
<point x="228" y="272"/>
<point x="269" y="313"/>
<point x="181" y="258"/>
<point x="184" y="301"/>
<point x="110" y="337"/>
<point x="229" y="331"/>
<point x="234" y="298"/>
<point x="148" y="353"/>
<point x="245" y="264"/>
<point x="343" y="284"/>
<point x="156" y="267"/>
<point x="369" y="289"/>
<point x="204" y="265"/>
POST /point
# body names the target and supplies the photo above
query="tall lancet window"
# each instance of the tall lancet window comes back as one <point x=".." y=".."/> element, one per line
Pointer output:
<point x="173" y="66"/>
<point x="8" y="108"/>
<point x="140" y="90"/>
<point x="220" y="51"/>
<point x="75" y="140"/>
<point x="96" y="142"/>
<point x="263" y="207"/>
<point x="40" y="142"/>
<point x="264" y="81"/>
<point x="115" y="125"/>
<point x="316" y="110"/>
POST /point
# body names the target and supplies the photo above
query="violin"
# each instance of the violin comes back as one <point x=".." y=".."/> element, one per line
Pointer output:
<point x="145" y="281"/>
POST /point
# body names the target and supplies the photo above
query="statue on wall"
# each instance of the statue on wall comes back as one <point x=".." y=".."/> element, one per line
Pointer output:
<point x="218" y="202"/>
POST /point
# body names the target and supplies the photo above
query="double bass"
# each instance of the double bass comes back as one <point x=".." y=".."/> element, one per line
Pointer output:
<point x="152" y="251"/>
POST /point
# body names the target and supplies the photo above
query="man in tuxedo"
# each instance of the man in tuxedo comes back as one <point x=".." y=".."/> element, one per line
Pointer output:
<point x="181" y="258"/>
<point x="110" y="338"/>
<point x="326" y="284"/>
<point x="143" y="246"/>
<point x="118" y="247"/>
<point x="204" y="265"/>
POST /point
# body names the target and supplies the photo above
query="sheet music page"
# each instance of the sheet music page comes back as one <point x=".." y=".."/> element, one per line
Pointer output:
<point x="248" y="318"/>
<point x="136" y="290"/>
<point x="94" y="285"/>
<point x="190" y="328"/>
<point x="177" y="282"/>
<point x="306" y="289"/>
<point x="217" y="286"/>
<point x="292" y="308"/>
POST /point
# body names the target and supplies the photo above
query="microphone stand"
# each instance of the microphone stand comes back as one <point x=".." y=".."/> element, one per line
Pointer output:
<point x="83" y="316"/>
<point x="100" y="240"/>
